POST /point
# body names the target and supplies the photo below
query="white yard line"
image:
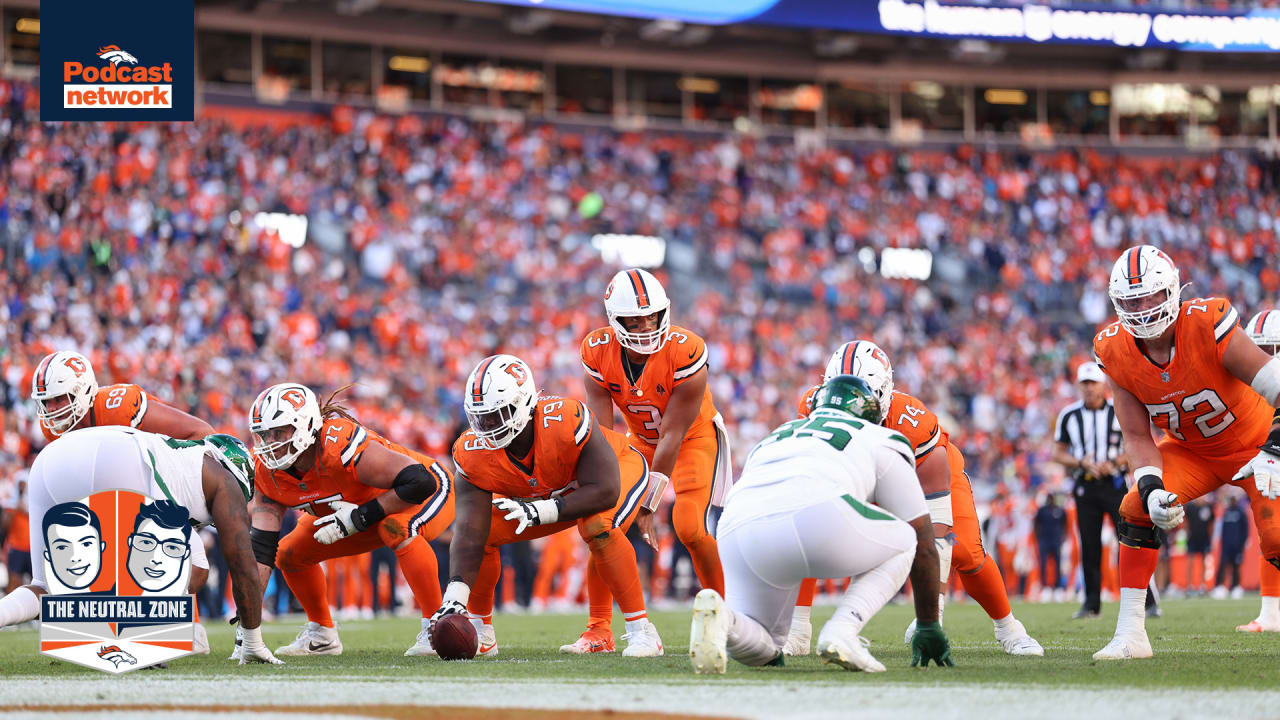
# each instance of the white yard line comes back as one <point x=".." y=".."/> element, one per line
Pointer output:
<point x="713" y="696"/>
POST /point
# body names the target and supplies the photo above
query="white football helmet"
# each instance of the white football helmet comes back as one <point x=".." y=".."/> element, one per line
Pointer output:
<point x="500" y="398"/>
<point x="637" y="293"/>
<point x="287" y="405"/>
<point x="64" y="373"/>
<point x="864" y="359"/>
<point x="1264" y="331"/>
<point x="1145" y="291"/>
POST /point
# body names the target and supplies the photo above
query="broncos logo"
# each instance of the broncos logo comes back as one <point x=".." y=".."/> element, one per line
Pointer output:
<point x="294" y="397"/>
<point x="76" y="365"/>
<point x="116" y="655"/>
<point x="114" y="54"/>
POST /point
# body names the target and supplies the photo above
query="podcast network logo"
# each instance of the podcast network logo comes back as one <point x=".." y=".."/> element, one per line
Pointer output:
<point x="100" y="64"/>
<point x="117" y="564"/>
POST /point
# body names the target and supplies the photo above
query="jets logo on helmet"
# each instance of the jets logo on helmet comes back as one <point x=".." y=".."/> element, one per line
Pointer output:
<point x="500" y="399"/>
<point x="1264" y="331"/>
<point x="864" y="359"/>
<point x="63" y="388"/>
<point x="636" y="293"/>
<point x="1145" y="291"/>
<point x="284" y="420"/>
<point x="231" y="454"/>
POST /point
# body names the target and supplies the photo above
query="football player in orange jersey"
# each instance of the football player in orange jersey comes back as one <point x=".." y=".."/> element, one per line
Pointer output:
<point x="65" y="390"/>
<point x="359" y="491"/>
<point x="531" y="466"/>
<point x="1264" y="331"/>
<point x="656" y="374"/>
<point x="1183" y="366"/>
<point x="940" y="467"/>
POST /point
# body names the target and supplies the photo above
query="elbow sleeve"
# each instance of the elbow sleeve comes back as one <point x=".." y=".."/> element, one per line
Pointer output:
<point x="414" y="484"/>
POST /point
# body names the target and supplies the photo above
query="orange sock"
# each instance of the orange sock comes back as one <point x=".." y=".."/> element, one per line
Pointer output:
<point x="706" y="563"/>
<point x="808" y="589"/>
<point x="599" y="597"/>
<point x="481" y="602"/>
<point x="307" y="584"/>
<point x="419" y="565"/>
<point x="1137" y="565"/>
<point x="986" y="587"/>
<point x="1269" y="577"/>
<point x="614" y="561"/>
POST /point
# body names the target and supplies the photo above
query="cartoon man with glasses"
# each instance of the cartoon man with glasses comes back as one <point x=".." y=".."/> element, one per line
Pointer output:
<point x="159" y="545"/>
<point x="73" y="544"/>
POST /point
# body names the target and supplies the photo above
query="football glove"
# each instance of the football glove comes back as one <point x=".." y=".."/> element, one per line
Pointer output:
<point x="528" y="513"/>
<point x="343" y="522"/>
<point x="1165" y="510"/>
<point x="253" y="650"/>
<point x="930" y="643"/>
<point x="1265" y="469"/>
<point x="455" y="600"/>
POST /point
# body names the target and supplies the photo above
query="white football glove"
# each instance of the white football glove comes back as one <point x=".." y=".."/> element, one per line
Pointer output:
<point x="340" y="524"/>
<point x="1265" y="469"/>
<point x="528" y="514"/>
<point x="239" y="651"/>
<point x="253" y="650"/>
<point x="1165" y="510"/>
<point x="456" y="595"/>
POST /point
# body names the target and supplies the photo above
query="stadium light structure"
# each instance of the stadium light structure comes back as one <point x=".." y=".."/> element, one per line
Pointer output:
<point x="642" y="251"/>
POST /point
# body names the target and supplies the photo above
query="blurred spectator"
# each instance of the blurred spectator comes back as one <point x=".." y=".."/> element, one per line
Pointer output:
<point x="1050" y="527"/>
<point x="1199" y="543"/>
<point x="1235" y="534"/>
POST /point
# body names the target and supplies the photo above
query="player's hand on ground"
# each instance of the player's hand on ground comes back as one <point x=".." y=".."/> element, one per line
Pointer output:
<point x="648" y="528"/>
<point x="340" y="524"/>
<point x="1265" y="469"/>
<point x="930" y="644"/>
<point x="1165" y="510"/>
<point x="254" y="651"/>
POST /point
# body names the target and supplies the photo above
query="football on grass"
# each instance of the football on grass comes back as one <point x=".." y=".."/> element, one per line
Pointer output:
<point x="454" y="638"/>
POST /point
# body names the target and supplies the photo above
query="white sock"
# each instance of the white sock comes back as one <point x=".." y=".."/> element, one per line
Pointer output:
<point x="801" y="615"/>
<point x="748" y="642"/>
<point x="870" y="591"/>
<point x="19" y="606"/>
<point x="1270" y="609"/>
<point x="635" y="626"/>
<point x="1133" y="611"/>
<point x="1005" y="623"/>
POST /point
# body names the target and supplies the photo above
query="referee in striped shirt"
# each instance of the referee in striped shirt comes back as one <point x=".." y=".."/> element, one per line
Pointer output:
<point x="1089" y="445"/>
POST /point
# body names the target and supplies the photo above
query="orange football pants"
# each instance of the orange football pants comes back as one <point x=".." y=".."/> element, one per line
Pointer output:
<point x="693" y="480"/>
<point x="1189" y="476"/>
<point x="300" y="554"/>
<point x="605" y="535"/>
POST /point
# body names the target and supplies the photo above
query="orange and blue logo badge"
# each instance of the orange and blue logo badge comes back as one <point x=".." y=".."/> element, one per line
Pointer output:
<point x="117" y="564"/>
<point x="97" y="63"/>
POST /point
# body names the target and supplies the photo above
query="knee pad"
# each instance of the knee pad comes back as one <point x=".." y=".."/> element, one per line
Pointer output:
<point x="393" y="531"/>
<point x="1139" y="536"/>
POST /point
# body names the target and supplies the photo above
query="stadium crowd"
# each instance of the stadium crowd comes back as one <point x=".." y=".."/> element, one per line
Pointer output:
<point x="434" y="241"/>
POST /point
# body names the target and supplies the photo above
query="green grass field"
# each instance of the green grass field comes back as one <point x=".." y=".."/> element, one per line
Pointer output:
<point x="1197" y="653"/>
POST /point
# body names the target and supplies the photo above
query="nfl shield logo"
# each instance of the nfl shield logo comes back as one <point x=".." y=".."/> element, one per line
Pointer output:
<point x="117" y="564"/>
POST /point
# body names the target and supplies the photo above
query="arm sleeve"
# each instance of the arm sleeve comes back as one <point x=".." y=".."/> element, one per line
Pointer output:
<point x="897" y="487"/>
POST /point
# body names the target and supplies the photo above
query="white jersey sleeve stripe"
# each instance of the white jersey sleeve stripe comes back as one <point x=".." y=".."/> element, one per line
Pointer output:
<point x="142" y="411"/>
<point x="692" y="367"/>
<point x="357" y="439"/>
<point x="928" y="445"/>
<point x="584" y="427"/>
<point x="1225" y="325"/>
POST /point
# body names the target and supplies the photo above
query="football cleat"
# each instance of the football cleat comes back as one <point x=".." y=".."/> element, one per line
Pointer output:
<point x="1258" y="626"/>
<point x="848" y="653"/>
<point x="487" y="638"/>
<point x="422" y="646"/>
<point x="313" y="639"/>
<point x="1131" y="646"/>
<point x="708" y="634"/>
<point x="1016" y="641"/>
<point x="643" y="642"/>
<point x="593" y="640"/>
<point x="201" y="644"/>
<point x="799" y="639"/>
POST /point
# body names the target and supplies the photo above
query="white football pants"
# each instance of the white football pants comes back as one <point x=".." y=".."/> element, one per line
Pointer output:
<point x="767" y="557"/>
<point x="81" y="465"/>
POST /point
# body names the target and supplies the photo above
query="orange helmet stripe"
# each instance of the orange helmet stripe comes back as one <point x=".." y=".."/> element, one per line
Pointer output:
<point x="846" y="364"/>
<point x="1135" y="266"/>
<point x="477" y="387"/>
<point x="42" y="370"/>
<point x="1262" y="320"/>
<point x="637" y="284"/>
<point x="256" y="412"/>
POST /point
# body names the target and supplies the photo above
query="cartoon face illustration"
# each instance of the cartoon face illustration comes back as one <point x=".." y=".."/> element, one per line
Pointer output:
<point x="158" y="547"/>
<point x="73" y="544"/>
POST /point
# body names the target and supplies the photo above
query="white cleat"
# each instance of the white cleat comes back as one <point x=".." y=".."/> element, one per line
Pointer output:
<point x="848" y="655"/>
<point x="422" y="646"/>
<point x="1131" y="646"/>
<point x="708" y="634"/>
<point x="644" y="642"/>
<point x="313" y="639"/>
<point x="201" y="644"/>
<point x="1016" y="641"/>
<point x="1259" y="626"/>
<point x="487" y="637"/>
<point x="799" y="639"/>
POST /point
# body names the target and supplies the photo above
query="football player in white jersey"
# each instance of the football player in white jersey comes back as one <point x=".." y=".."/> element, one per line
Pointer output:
<point x="212" y="479"/>
<point x="833" y="495"/>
